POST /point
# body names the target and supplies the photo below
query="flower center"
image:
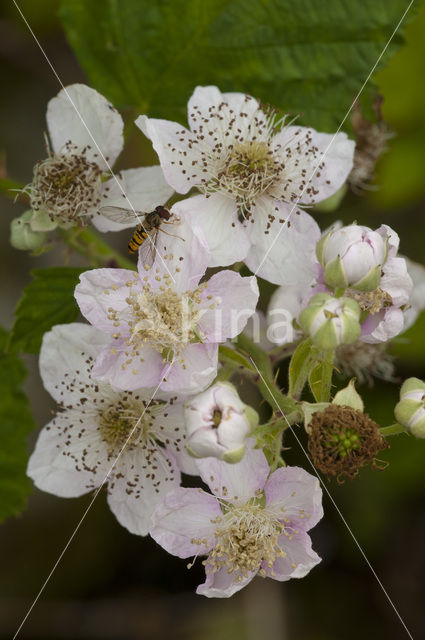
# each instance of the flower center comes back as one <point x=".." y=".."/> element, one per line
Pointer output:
<point x="247" y="537"/>
<point x="164" y="319"/>
<point x="216" y="418"/>
<point x="65" y="185"/>
<point x="247" y="171"/>
<point x="121" y="425"/>
<point x="371" y="301"/>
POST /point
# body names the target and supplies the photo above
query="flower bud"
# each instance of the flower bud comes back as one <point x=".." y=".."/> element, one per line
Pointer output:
<point x="23" y="237"/>
<point x="218" y="423"/>
<point x="352" y="257"/>
<point x="331" y="321"/>
<point x="410" y="411"/>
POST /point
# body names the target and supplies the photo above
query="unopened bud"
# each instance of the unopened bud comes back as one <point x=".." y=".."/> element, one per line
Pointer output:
<point x="331" y="321"/>
<point x="23" y="237"/>
<point x="410" y="411"/>
<point x="218" y="423"/>
<point x="352" y="257"/>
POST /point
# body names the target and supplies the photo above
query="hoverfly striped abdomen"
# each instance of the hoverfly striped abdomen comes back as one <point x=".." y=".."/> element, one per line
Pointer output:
<point x="137" y="239"/>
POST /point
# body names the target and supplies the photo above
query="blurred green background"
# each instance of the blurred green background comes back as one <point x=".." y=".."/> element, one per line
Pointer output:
<point x="111" y="584"/>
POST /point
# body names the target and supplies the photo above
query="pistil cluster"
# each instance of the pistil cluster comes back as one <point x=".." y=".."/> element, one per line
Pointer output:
<point x="66" y="185"/>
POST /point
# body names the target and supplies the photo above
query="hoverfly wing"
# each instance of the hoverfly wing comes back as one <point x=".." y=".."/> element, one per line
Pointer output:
<point x="147" y="251"/>
<point x="122" y="215"/>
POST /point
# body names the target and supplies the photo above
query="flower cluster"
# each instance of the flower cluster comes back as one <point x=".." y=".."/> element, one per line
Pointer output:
<point x="143" y="390"/>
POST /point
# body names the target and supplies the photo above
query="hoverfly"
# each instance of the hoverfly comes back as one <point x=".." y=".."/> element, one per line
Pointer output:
<point x="145" y="235"/>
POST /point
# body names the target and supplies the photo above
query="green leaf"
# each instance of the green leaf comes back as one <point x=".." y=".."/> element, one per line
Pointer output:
<point x="16" y="423"/>
<point x="48" y="300"/>
<point x="299" y="55"/>
<point x="320" y="378"/>
<point x="233" y="357"/>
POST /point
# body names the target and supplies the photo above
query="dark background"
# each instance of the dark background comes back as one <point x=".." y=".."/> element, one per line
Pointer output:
<point x="111" y="584"/>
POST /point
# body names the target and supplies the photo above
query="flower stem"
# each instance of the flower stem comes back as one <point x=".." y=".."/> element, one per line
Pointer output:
<point x="88" y="244"/>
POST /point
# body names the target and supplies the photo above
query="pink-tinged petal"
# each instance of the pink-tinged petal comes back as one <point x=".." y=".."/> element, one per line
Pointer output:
<point x="102" y="289"/>
<point x="236" y="482"/>
<point x="382" y="326"/>
<point x="393" y="239"/>
<point x="117" y="366"/>
<point x="293" y="493"/>
<point x="66" y="357"/>
<point x="316" y="164"/>
<point x="396" y="281"/>
<point x="282" y="253"/>
<point x="182" y="516"/>
<point x="216" y="214"/>
<point x="177" y="150"/>
<point x="233" y="299"/>
<point x="140" y="479"/>
<point x="181" y="255"/>
<point x="299" y="560"/>
<point x="69" y="458"/>
<point x="223" y="584"/>
<point x="140" y="189"/>
<point x="78" y="110"/>
<point x="198" y="370"/>
<point x="417" y="297"/>
<point x="217" y="117"/>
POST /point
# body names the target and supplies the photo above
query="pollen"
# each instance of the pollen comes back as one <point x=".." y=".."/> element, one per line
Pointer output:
<point x="65" y="185"/>
<point x="248" y="539"/>
<point x="127" y="424"/>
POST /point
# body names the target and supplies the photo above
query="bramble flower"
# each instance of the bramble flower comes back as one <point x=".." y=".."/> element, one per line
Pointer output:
<point x="250" y="524"/>
<point x="252" y="170"/>
<point x="331" y="321"/>
<point x="76" y="450"/>
<point x="218" y="423"/>
<point x="164" y="324"/>
<point x="70" y="185"/>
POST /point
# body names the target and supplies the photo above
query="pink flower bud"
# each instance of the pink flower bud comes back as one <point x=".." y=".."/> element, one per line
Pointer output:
<point x="218" y="423"/>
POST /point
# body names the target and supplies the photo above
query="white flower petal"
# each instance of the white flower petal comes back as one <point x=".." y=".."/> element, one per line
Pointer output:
<point x="198" y="370"/>
<point x="141" y="189"/>
<point x="69" y="458"/>
<point x="117" y="367"/>
<point x="177" y="150"/>
<point x="227" y="238"/>
<point x="236" y="482"/>
<point x="141" y="478"/>
<point x="299" y="560"/>
<point x="66" y="356"/>
<point x="78" y="110"/>
<point x="281" y="253"/>
<point x="316" y="164"/>
<point x="223" y="584"/>
<point x="293" y="493"/>
<point x="102" y="289"/>
<point x="182" y="516"/>
<point x="233" y="299"/>
<point x="181" y="255"/>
